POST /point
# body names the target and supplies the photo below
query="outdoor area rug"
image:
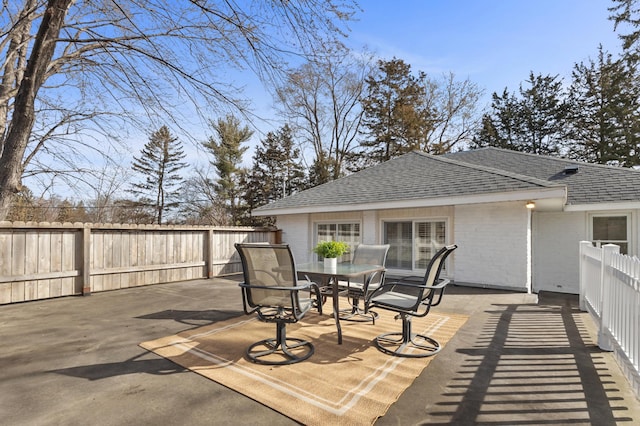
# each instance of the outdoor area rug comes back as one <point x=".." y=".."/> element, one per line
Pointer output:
<point x="353" y="383"/>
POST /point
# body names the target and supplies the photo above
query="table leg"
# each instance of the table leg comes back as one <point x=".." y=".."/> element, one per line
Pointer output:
<point x="336" y="308"/>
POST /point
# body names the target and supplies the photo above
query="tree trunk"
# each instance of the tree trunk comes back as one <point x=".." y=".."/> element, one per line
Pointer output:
<point x="23" y="116"/>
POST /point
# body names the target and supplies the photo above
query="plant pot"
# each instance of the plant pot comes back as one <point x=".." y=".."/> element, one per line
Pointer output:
<point x="330" y="263"/>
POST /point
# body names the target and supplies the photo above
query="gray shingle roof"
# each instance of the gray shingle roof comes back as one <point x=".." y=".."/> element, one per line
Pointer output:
<point x="413" y="176"/>
<point x="593" y="183"/>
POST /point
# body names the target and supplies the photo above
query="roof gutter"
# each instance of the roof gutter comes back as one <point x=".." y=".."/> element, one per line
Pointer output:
<point x="558" y="192"/>
<point x="625" y="205"/>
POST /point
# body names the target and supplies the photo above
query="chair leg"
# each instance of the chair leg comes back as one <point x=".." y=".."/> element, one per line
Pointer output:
<point x="356" y="314"/>
<point x="292" y="349"/>
<point x="406" y="344"/>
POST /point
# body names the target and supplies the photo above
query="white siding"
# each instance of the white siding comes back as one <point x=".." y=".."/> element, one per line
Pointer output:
<point x="370" y="229"/>
<point x="492" y="245"/>
<point x="296" y="231"/>
<point x="556" y="237"/>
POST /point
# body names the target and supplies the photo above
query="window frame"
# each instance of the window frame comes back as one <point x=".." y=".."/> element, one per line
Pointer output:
<point x="414" y="240"/>
<point x="352" y="243"/>
<point x="629" y="242"/>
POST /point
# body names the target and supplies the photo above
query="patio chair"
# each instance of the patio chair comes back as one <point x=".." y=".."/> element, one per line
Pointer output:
<point x="359" y="288"/>
<point x="411" y="299"/>
<point x="271" y="289"/>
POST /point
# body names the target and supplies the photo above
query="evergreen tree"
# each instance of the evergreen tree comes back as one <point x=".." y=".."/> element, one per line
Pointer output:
<point x="544" y="113"/>
<point x="159" y="163"/>
<point x="227" y="151"/>
<point x="277" y="172"/>
<point x="626" y="12"/>
<point x="533" y="121"/>
<point x="70" y="212"/>
<point x="605" y="119"/>
<point x="498" y="128"/>
<point x="395" y="117"/>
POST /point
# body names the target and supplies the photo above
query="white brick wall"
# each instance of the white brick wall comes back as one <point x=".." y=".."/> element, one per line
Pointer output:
<point x="556" y="249"/>
<point x="492" y="245"/>
<point x="297" y="233"/>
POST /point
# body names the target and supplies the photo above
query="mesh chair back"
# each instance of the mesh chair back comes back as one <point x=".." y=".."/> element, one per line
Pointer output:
<point x="371" y="254"/>
<point x="268" y="265"/>
<point x="436" y="264"/>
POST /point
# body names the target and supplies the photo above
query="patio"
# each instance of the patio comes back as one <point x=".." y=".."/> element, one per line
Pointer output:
<point x="517" y="360"/>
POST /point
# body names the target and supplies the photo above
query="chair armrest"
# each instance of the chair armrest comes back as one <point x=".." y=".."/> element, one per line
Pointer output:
<point x="442" y="282"/>
<point x="304" y="286"/>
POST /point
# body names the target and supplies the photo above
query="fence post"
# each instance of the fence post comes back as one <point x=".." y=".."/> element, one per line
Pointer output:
<point x="604" y="335"/>
<point x="582" y="276"/>
<point x="209" y="252"/>
<point x="86" y="260"/>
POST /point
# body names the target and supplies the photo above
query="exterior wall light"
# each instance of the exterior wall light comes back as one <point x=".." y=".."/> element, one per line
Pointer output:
<point x="530" y="205"/>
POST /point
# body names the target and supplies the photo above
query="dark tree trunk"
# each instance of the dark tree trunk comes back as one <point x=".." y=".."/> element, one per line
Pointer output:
<point x="23" y="117"/>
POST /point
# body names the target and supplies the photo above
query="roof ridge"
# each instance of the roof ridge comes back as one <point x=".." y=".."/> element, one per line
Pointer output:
<point x="499" y="172"/>
<point x="546" y="157"/>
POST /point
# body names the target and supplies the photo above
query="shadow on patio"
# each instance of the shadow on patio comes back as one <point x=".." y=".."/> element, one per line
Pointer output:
<point x="532" y="364"/>
<point x="519" y="360"/>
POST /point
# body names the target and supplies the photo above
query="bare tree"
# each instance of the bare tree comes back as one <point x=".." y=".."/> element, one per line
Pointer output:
<point x="95" y="61"/>
<point x="321" y="100"/>
<point x="454" y="114"/>
<point x="201" y="204"/>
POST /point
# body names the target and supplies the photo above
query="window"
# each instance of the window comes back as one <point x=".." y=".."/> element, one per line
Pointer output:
<point x="413" y="243"/>
<point x="611" y="230"/>
<point x="347" y="232"/>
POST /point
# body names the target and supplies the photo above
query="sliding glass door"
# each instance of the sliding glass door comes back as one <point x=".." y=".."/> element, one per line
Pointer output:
<point x="413" y="243"/>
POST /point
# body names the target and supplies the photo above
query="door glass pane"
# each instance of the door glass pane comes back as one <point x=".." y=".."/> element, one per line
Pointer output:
<point x="429" y="238"/>
<point x="399" y="236"/>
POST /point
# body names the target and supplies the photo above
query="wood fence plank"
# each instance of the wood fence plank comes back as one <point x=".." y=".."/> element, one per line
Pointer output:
<point x="31" y="264"/>
<point x="55" y="263"/>
<point x="50" y="260"/>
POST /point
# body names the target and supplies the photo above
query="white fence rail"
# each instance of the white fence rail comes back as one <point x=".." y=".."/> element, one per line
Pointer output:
<point x="610" y="291"/>
<point x="44" y="260"/>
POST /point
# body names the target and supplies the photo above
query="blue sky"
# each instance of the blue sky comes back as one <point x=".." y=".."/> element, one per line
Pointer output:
<point x="494" y="43"/>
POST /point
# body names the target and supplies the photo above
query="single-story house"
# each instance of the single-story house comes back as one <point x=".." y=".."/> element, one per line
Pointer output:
<point x="517" y="218"/>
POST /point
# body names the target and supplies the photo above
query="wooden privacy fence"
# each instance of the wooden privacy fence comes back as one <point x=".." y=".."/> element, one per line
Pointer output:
<point x="610" y="291"/>
<point x="42" y="260"/>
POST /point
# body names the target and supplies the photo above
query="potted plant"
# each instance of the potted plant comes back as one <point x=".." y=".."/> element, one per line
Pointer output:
<point x="330" y="251"/>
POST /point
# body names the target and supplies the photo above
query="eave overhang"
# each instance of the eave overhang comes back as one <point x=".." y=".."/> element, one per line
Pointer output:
<point x="554" y="197"/>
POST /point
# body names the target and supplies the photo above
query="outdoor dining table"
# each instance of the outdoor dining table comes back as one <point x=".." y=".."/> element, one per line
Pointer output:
<point x="330" y="278"/>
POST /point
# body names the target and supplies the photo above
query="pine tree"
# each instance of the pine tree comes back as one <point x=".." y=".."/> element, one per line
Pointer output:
<point x="276" y="173"/>
<point x="498" y="128"/>
<point x="534" y="120"/>
<point x="227" y="151"/>
<point x="394" y="114"/>
<point x="605" y="119"/>
<point x="159" y="163"/>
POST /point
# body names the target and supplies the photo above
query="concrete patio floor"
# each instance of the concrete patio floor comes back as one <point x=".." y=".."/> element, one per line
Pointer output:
<point x="519" y="360"/>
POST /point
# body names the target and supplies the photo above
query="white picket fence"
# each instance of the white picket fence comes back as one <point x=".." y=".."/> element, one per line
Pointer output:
<point x="610" y="291"/>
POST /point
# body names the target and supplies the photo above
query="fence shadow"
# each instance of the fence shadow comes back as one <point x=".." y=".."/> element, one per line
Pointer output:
<point x="532" y="364"/>
<point x="134" y="365"/>
<point x="193" y="317"/>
